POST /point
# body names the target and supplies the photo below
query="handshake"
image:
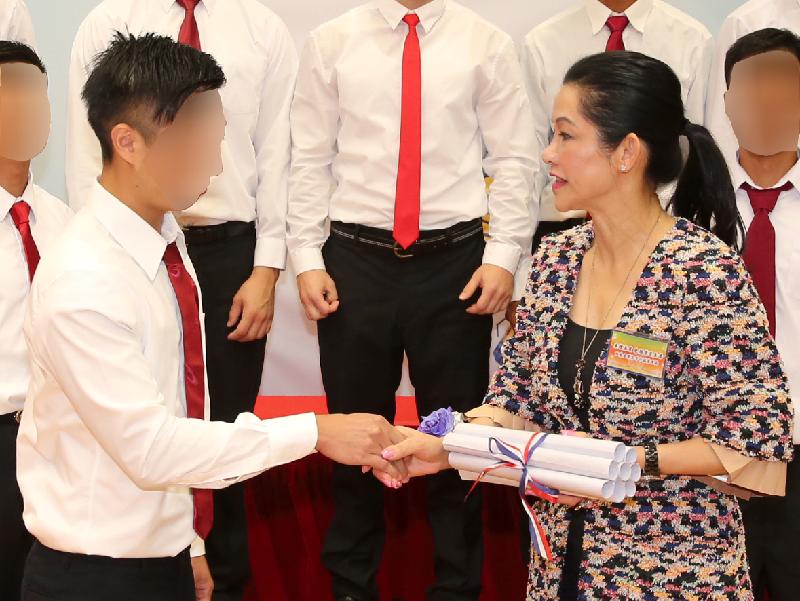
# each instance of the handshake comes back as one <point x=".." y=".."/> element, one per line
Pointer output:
<point x="393" y="454"/>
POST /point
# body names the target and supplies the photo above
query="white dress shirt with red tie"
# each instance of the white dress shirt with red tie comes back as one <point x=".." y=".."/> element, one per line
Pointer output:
<point x="785" y="219"/>
<point x="106" y="455"/>
<point x="47" y="218"/>
<point x="346" y="128"/>
<point x="259" y="57"/>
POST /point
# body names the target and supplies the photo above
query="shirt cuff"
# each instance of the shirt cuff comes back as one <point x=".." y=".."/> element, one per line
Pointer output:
<point x="307" y="259"/>
<point x="502" y="255"/>
<point x="198" y="548"/>
<point x="292" y="438"/>
<point x="270" y="252"/>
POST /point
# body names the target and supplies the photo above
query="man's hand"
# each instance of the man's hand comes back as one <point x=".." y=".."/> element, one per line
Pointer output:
<point x="254" y="306"/>
<point x="359" y="439"/>
<point x="496" y="285"/>
<point x="423" y="455"/>
<point x="203" y="583"/>
<point x="318" y="294"/>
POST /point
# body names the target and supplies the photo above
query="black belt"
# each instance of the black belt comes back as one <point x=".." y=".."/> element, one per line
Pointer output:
<point x="67" y="560"/>
<point x="429" y="241"/>
<point x="11" y="418"/>
<point x="206" y="234"/>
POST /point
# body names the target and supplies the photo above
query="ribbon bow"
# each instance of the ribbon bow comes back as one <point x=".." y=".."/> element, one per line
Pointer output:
<point x="510" y="456"/>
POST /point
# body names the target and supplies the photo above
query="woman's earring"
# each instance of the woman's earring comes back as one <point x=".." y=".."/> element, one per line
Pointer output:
<point x="624" y="169"/>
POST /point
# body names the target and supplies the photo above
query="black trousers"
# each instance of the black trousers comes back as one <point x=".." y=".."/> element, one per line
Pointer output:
<point x="14" y="538"/>
<point x="391" y="306"/>
<point x="223" y="259"/>
<point x="772" y="530"/>
<point x="56" y="576"/>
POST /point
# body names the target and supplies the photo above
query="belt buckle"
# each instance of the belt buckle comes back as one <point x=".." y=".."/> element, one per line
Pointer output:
<point x="400" y="252"/>
<point x="18" y="417"/>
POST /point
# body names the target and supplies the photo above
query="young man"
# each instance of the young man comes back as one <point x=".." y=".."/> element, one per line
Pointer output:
<point x="751" y="16"/>
<point x="30" y="219"/>
<point x="762" y="72"/>
<point x="652" y="27"/>
<point x="395" y="103"/>
<point x="116" y="462"/>
<point x="15" y="22"/>
<point x="236" y="231"/>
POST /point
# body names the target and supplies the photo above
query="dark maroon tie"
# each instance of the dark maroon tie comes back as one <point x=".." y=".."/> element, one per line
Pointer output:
<point x="194" y="369"/>
<point x="21" y="216"/>
<point x="617" y="25"/>
<point x="759" y="250"/>
<point x="189" y="33"/>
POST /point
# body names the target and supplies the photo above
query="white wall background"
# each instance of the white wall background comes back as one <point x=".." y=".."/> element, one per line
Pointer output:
<point x="292" y="358"/>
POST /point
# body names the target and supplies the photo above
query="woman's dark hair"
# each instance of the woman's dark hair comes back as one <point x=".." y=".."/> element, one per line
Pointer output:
<point x="629" y="92"/>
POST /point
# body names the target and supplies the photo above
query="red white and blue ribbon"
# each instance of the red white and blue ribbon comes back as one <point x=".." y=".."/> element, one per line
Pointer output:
<point x="510" y="456"/>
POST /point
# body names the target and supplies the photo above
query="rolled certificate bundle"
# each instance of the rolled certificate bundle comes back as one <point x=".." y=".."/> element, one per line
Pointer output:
<point x="583" y="467"/>
<point x="581" y="486"/>
<point x="591" y="447"/>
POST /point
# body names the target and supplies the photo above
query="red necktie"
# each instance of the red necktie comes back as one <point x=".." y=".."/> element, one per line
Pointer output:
<point x="617" y="25"/>
<point x="759" y="251"/>
<point x="21" y="216"/>
<point x="194" y="370"/>
<point x="189" y="33"/>
<point x="409" y="170"/>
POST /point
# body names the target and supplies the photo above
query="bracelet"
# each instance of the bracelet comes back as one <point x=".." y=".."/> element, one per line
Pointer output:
<point x="441" y="422"/>
<point x="651" y="463"/>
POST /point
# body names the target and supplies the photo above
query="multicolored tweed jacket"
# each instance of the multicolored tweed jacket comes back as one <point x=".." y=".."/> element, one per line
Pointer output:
<point x="677" y="539"/>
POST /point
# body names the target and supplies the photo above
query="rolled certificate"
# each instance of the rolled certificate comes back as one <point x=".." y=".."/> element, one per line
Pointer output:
<point x="581" y="486"/>
<point x="591" y="447"/>
<point x="545" y="458"/>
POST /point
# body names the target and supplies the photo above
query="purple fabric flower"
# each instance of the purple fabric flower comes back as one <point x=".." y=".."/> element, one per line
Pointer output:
<point x="439" y="423"/>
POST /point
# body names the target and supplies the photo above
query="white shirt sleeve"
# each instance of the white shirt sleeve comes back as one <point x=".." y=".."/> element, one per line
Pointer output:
<point x="90" y="346"/>
<point x="21" y="26"/>
<point x="272" y="143"/>
<point x="698" y="89"/>
<point x="83" y="161"/>
<point x="315" y="120"/>
<point x="716" y="118"/>
<point x="504" y="118"/>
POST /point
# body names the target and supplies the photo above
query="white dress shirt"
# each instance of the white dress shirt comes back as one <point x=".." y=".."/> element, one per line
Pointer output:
<point x="260" y="61"/>
<point x="785" y="219"/>
<point x="751" y="16"/>
<point x="15" y="22"/>
<point x="656" y="29"/>
<point x="346" y="128"/>
<point x="48" y="217"/>
<point x="105" y="454"/>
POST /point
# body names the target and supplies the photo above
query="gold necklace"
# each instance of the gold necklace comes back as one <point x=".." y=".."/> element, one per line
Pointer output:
<point x="580" y="366"/>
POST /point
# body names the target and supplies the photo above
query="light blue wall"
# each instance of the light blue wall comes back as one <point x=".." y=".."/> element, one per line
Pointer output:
<point x="56" y="22"/>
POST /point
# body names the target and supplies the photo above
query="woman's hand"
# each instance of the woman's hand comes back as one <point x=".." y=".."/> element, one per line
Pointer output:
<point x="423" y="455"/>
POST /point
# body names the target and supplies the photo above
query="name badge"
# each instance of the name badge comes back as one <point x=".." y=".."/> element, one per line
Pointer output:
<point x="637" y="354"/>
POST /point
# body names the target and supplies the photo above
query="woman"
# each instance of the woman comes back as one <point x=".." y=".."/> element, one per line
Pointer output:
<point x="636" y="276"/>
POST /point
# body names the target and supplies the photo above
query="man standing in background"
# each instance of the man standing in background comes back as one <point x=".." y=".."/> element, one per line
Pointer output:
<point x="15" y="22"/>
<point x="400" y="107"/>
<point x="651" y="27"/>
<point x="762" y="77"/>
<point x="30" y="220"/>
<point x="748" y="18"/>
<point x="235" y="233"/>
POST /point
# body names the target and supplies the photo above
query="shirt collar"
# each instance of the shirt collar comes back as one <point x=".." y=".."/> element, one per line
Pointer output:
<point x="209" y="4"/>
<point x="7" y="200"/>
<point x="638" y="14"/>
<point x="741" y="177"/>
<point x="428" y="15"/>
<point x="133" y="233"/>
